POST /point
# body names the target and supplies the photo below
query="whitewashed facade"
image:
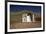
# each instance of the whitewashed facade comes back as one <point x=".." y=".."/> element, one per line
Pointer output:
<point x="27" y="18"/>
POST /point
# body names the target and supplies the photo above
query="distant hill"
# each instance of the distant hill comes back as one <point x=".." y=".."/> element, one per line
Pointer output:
<point x="24" y="11"/>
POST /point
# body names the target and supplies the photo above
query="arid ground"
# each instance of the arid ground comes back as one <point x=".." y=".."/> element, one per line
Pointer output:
<point x="25" y="25"/>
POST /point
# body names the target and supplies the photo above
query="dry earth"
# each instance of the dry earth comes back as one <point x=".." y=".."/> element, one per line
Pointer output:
<point x="25" y="25"/>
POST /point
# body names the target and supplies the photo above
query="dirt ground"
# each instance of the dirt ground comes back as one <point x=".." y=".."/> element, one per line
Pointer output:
<point x="25" y="25"/>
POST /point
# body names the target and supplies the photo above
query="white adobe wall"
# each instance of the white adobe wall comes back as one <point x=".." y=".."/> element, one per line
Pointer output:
<point x="33" y="18"/>
<point x="26" y="19"/>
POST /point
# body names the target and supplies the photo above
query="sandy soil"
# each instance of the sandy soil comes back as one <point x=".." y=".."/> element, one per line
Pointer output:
<point x="25" y="25"/>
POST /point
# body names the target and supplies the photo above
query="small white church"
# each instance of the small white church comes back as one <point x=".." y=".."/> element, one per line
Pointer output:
<point x="28" y="18"/>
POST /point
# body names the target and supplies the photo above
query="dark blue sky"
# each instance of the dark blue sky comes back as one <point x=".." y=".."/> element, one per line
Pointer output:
<point x="14" y="8"/>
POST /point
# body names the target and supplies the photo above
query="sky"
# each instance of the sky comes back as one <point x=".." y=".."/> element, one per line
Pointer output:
<point x="14" y="8"/>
